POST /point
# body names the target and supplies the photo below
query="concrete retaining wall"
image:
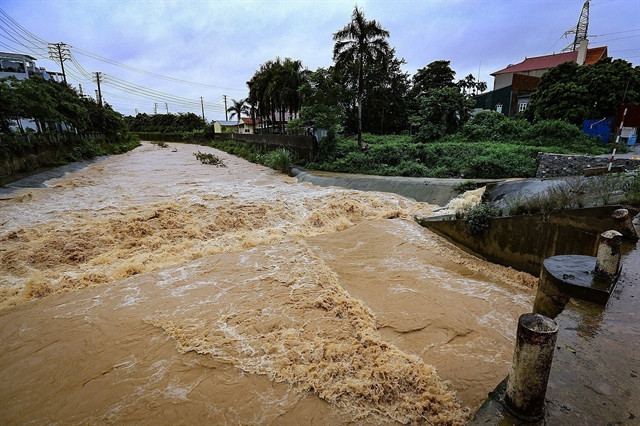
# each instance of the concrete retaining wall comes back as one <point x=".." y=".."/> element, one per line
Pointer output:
<point x="555" y="165"/>
<point x="523" y="242"/>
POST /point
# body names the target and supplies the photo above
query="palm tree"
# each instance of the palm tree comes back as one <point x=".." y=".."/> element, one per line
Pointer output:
<point x="360" y="42"/>
<point x="274" y="88"/>
<point x="237" y="109"/>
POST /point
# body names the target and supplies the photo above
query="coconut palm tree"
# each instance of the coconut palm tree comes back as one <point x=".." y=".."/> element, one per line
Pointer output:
<point x="238" y="107"/>
<point x="360" y="42"/>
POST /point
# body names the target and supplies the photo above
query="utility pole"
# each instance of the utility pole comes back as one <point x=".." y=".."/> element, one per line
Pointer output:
<point x="98" y="74"/>
<point x="202" y="105"/>
<point x="166" y="105"/>
<point x="226" y="118"/>
<point x="155" y="108"/>
<point x="81" y="94"/>
<point x="136" y="112"/>
<point x="62" y="53"/>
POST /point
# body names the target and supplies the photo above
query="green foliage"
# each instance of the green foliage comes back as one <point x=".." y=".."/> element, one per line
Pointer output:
<point x="274" y="89"/>
<point x="165" y="123"/>
<point x="294" y="126"/>
<point x="279" y="159"/>
<point x="453" y="156"/>
<point x="574" y="93"/>
<point x="55" y="107"/>
<point x="195" y="136"/>
<point x="632" y="189"/>
<point x="441" y="112"/>
<point x="208" y="158"/>
<point x="435" y="76"/>
<point x="489" y="126"/>
<point x="478" y="218"/>
<point x="467" y="185"/>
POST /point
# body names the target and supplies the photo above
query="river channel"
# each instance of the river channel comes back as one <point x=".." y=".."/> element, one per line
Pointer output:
<point x="150" y="288"/>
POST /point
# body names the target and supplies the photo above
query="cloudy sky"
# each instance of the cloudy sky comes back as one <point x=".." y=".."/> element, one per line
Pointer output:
<point x="168" y="54"/>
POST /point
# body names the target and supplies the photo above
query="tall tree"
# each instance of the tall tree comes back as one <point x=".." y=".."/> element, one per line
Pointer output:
<point x="385" y="96"/>
<point x="575" y="93"/>
<point x="470" y="86"/>
<point x="237" y="108"/>
<point x="274" y="89"/>
<point x="360" y="42"/>
<point x="442" y="112"/>
<point x="436" y="75"/>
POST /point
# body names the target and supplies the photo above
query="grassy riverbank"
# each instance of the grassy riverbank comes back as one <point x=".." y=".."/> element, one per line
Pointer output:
<point x="489" y="146"/>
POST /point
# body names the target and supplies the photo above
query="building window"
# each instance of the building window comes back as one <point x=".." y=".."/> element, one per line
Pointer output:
<point x="522" y="106"/>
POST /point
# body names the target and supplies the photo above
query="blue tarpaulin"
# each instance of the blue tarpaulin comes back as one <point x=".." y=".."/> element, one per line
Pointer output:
<point x="600" y="128"/>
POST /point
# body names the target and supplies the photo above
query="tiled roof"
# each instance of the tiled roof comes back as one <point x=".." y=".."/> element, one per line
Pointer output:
<point x="550" y="61"/>
<point x="595" y="54"/>
<point x="247" y="120"/>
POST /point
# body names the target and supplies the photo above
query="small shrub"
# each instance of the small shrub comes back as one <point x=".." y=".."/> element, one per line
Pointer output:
<point x="206" y="158"/>
<point x="479" y="217"/>
<point x="632" y="189"/>
<point x="467" y="185"/>
<point x="279" y="160"/>
<point x="608" y="186"/>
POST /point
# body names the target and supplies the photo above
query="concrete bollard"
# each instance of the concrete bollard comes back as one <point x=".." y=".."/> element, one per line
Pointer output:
<point x="532" y="357"/>
<point x="551" y="297"/>
<point x="624" y="224"/>
<point x="608" y="256"/>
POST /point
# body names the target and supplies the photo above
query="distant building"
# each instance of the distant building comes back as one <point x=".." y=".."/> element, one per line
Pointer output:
<point x="24" y="66"/>
<point x="225" y="126"/>
<point x="513" y="85"/>
<point x="248" y="125"/>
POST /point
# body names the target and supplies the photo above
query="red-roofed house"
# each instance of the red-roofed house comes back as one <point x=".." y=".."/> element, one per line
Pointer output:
<point x="513" y="85"/>
<point x="248" y="125"/>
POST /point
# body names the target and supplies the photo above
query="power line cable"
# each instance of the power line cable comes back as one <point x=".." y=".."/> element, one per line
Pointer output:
<point x="617" y="32"/>
<point x="149" y="73"/>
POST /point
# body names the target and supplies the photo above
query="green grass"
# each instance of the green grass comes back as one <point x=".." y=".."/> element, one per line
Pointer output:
<point x="473" y="156"/>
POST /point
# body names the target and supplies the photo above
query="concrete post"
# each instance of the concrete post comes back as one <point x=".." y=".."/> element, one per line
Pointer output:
<point x="532" y="357"/>
<point x="624" y="224"/>
<point x="550" y="298"/>
<point x="608" y="256"/>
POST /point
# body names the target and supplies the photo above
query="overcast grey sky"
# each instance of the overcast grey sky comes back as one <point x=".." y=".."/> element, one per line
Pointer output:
<point x="217" y="45"/>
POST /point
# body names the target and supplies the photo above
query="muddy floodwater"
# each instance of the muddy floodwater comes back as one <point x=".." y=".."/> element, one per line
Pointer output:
<point x="150" y="288"/>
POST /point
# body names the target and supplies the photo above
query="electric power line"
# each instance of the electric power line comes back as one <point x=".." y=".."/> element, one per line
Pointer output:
<point x="15" y="35"/>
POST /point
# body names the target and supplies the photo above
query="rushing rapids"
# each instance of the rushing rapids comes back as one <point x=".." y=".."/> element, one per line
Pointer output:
<point x="151" y="288"/>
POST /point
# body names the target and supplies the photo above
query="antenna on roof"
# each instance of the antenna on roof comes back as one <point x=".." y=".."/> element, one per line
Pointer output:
<point x="580" y="30"/>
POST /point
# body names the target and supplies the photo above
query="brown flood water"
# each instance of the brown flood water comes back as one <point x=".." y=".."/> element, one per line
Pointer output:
<point x="149" y="288"/>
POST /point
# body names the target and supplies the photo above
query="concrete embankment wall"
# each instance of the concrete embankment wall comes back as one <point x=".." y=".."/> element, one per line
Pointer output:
<point x="432" y="191"/>
<point x="555" y="165"/>
<point x="523" y="242"/>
